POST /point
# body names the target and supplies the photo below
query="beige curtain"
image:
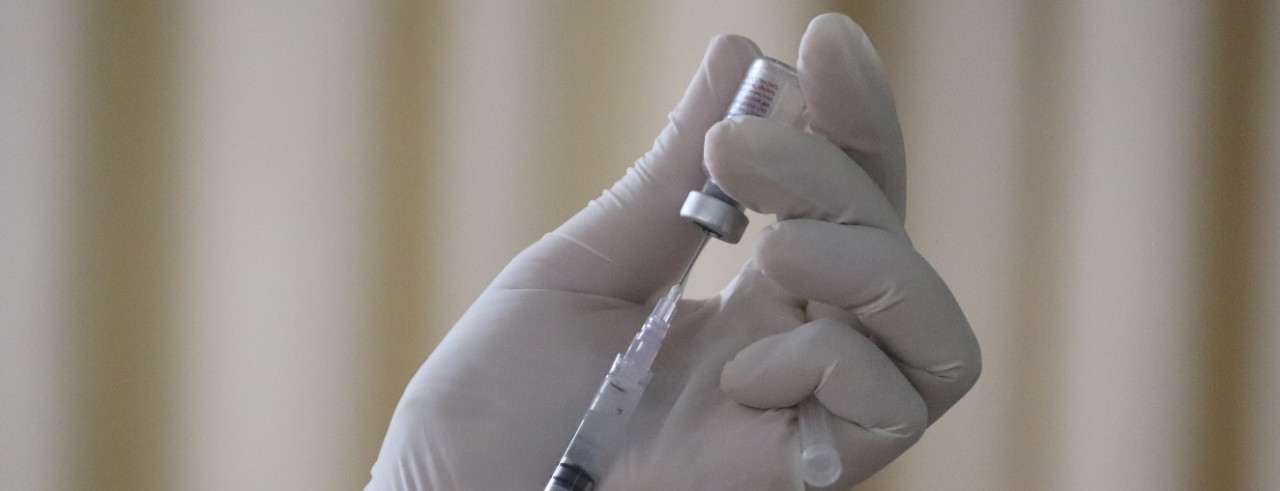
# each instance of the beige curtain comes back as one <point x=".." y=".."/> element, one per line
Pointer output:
<point x="230" y="230"/>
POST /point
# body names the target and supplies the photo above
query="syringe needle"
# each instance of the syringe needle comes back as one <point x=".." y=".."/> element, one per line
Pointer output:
<point x="684" y="277"/>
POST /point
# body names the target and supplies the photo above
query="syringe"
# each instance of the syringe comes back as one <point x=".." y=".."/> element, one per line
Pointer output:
<point x="591" y="449"/>
<point x="771" y="90"/>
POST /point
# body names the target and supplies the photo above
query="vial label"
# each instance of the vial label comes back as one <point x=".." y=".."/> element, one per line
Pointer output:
<point x="754" y="98"/>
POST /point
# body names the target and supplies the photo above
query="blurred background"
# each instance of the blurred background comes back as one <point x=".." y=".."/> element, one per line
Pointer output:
<point x="230" y="230"/>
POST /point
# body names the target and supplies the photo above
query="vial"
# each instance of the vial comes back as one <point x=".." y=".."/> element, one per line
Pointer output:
<point x="771" y="90"/>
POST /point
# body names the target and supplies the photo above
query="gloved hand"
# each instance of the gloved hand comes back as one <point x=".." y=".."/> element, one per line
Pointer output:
<point x="835" y="303"/>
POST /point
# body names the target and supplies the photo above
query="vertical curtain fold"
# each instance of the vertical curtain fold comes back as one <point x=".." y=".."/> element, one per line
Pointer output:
<point x="39" y="45"/>
<point x="1261" y="448"/>
<point x="1232" y="110"/>
<point x="123" y="264"/>
<point x="278" y="195"/>
<point x="403" y="135"/>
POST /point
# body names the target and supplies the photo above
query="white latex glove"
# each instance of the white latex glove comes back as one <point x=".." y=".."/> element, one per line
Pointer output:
<point x="497" y="402"/>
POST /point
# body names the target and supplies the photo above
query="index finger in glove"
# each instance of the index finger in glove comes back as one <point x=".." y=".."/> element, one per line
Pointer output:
<point x="850" y="102"/>
<point x="775" y="169"/>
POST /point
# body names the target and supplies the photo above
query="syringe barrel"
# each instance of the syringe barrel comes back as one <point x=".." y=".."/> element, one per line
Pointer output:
<point x="771" y="90"/>
<point x="591" y="449"/>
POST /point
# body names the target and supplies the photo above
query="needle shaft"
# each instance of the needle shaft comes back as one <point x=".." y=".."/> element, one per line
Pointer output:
<point x="684" y="277"/>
